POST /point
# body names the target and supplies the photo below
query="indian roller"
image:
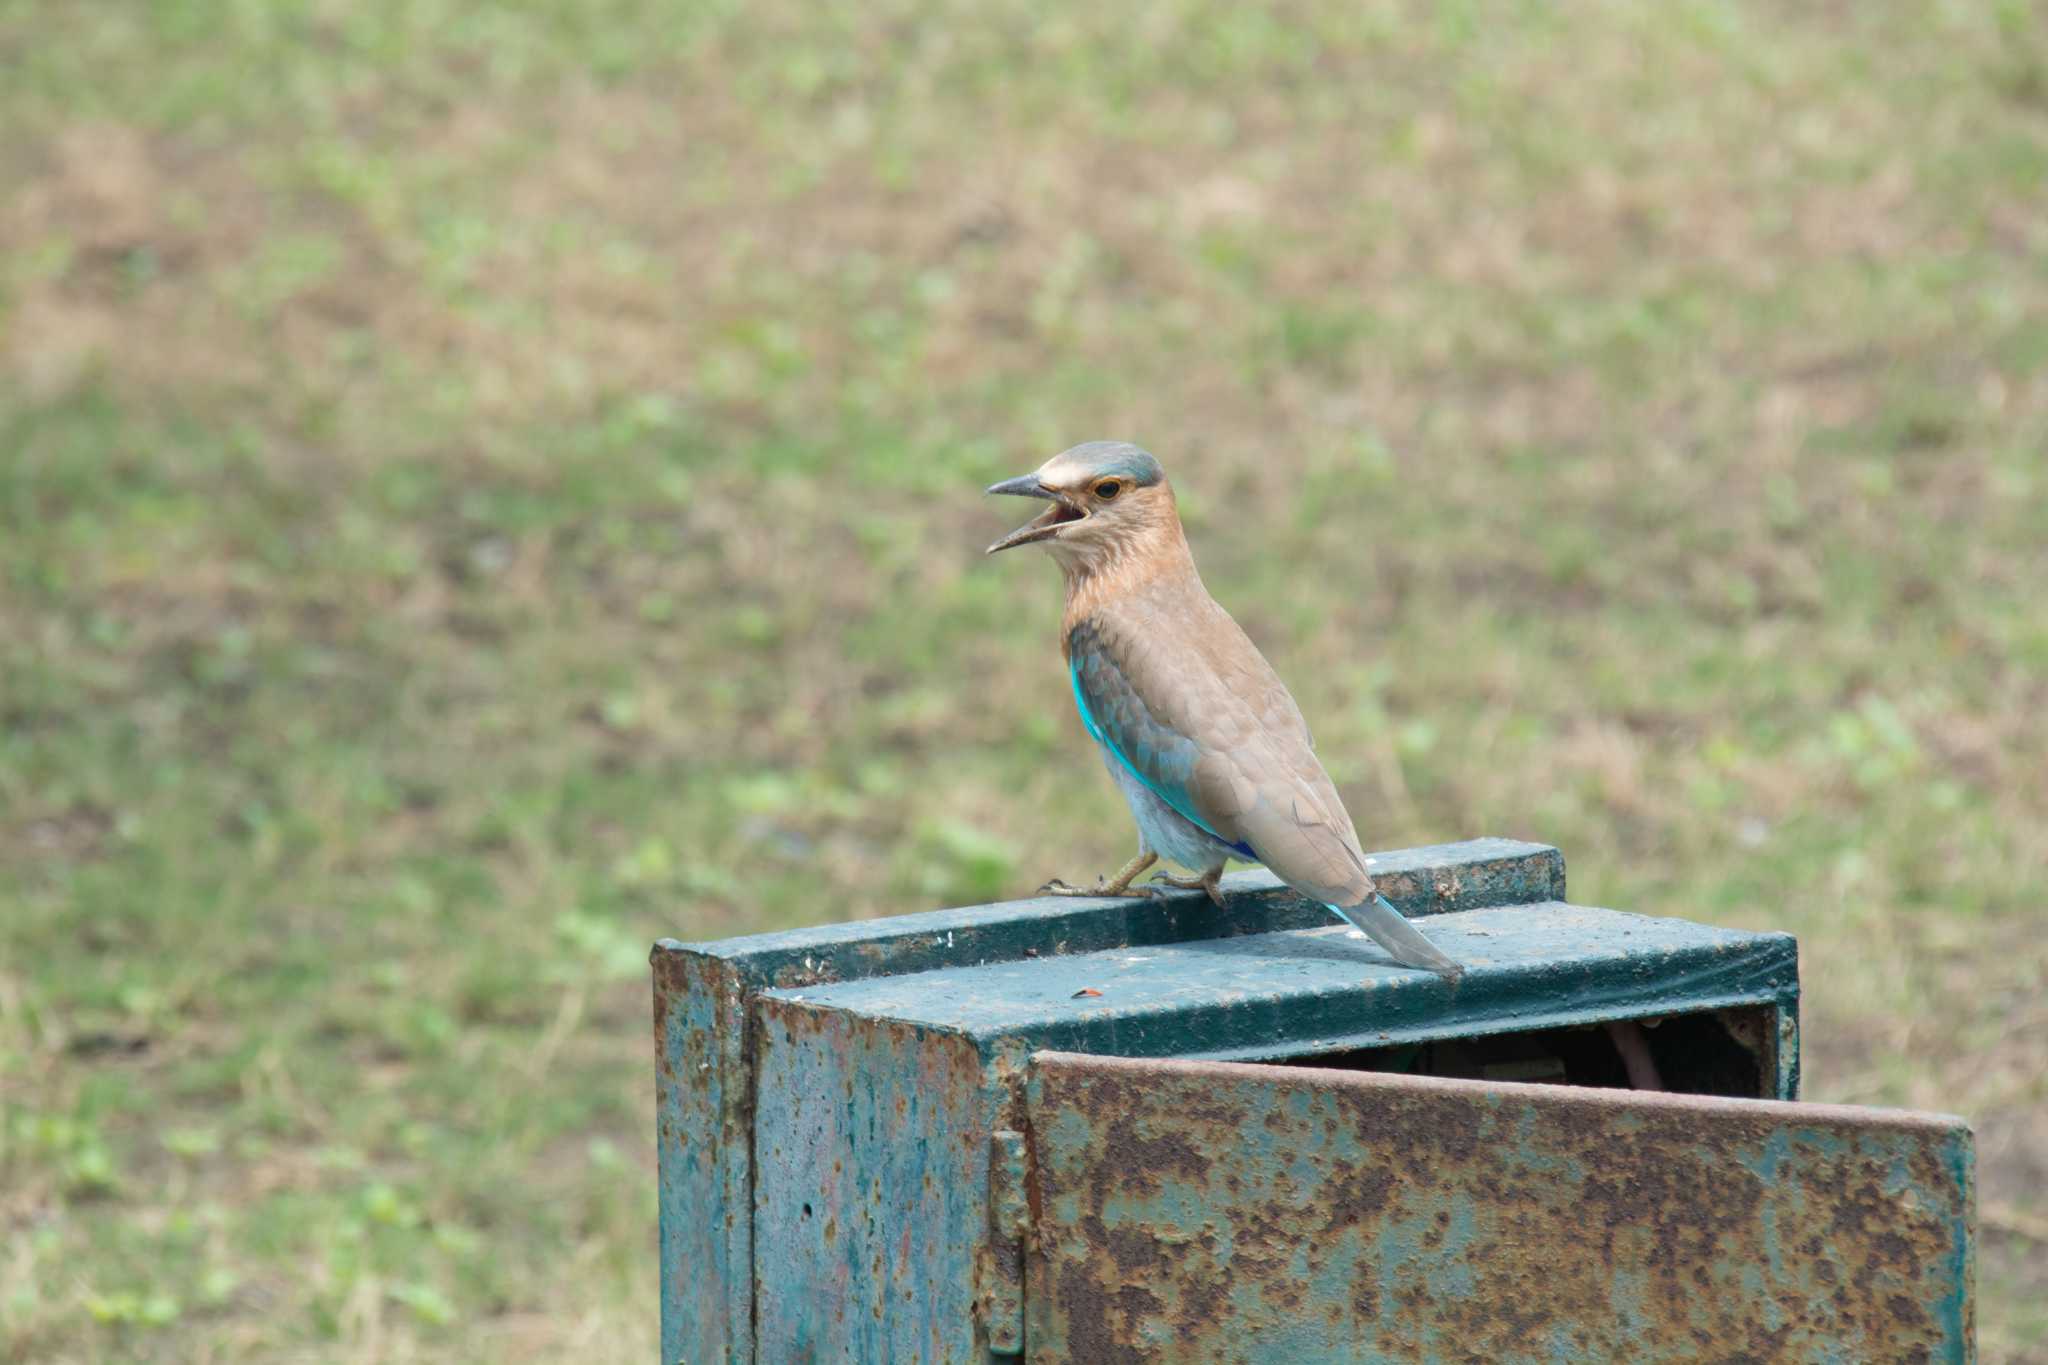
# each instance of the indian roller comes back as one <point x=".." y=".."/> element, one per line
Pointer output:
<point x="1208" y="747"/>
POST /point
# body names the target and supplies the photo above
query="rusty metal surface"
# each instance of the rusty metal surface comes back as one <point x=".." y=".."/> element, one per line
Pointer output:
<point x="1009" y="1223"/>
<point x="703" y="1126"/>
<point x="870" y="1191"/>
<point x="1301" y="992"/>
<point x="705" y="1078"/>
<point x="1194" y="1211"/>
<point x="1420" y="881"/>
<point x="874" y="1100"/>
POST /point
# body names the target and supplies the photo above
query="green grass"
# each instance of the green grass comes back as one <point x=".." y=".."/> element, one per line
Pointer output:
<point x="481" y="489"/>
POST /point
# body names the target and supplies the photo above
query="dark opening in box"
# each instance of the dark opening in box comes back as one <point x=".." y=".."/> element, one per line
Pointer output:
<point x="1718" y="1052"/>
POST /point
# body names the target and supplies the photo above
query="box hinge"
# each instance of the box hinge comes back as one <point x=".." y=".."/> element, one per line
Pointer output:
<point x="1008" y="1222"/>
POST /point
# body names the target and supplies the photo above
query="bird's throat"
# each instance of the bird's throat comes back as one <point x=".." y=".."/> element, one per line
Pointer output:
<point x="1116" y="570"/>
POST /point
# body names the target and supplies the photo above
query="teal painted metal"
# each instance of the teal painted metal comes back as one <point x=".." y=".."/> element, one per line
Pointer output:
<point x="875" y="1098"/>
<point x="870" y="1196"/>
<point x="704" y="1132"/>
<point x="707" y="1048"/>
<point x="1196" y="1211"/>
<point x="1009" y="1229"/>
<point x="851" y="1116"/>
<point x="1304" y="992"/>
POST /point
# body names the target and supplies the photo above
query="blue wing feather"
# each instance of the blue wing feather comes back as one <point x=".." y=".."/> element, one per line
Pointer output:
<point x="1145" y="749"/>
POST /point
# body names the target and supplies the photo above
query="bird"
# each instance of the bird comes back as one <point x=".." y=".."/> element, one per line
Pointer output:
<point x="1205" y="742"/>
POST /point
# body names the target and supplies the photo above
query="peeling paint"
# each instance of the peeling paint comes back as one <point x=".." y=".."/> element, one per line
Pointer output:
<point x="706" y="1059"/>
<point x="830" y="1188"/>
<point x="1312" y="1215"/>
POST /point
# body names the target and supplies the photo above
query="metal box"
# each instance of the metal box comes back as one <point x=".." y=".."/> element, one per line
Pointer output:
<point x="1102" y="1131"/>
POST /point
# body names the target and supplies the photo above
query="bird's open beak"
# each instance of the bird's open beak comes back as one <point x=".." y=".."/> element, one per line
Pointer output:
<point x="1046" y="524"/>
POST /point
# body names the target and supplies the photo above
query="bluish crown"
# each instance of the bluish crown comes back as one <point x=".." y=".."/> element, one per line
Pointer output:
<point x="1121" y="458"/>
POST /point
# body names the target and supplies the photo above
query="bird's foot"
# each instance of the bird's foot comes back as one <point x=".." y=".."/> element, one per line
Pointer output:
<point x="1119" y="885"/>
<point x="1206" y="882"/>
<point x="1103" y="887"/>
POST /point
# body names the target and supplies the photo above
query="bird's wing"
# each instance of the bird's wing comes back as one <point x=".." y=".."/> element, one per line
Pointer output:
<point x="1185" y="701"/>
<point x="1168" y="762"/>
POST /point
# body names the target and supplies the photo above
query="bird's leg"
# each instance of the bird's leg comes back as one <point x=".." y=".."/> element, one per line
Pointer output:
<point x="1634" y="1046"/>
<point x="1119" y="885"/>
<point x="1206" y="882"/>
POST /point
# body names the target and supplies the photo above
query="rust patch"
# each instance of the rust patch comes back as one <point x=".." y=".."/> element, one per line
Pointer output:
<point x="1135" y="1251"/>
<point x="1356" y="1215"/>
<point x="1143" y="1159"/>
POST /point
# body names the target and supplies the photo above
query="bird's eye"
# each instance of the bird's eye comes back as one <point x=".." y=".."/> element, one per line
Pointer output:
<point x="1108" y="489"/>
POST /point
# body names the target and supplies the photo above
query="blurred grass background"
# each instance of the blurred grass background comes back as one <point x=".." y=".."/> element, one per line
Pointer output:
<point x="484" y="487"/>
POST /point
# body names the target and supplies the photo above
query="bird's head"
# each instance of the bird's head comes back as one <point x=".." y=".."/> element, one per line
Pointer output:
<point x="1108" y="498"/>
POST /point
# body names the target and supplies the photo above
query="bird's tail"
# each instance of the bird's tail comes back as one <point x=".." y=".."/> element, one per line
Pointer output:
<point x="1391" y="931"/>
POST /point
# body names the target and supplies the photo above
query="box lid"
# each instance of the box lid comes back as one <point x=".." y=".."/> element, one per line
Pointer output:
<point x="1301" y="991"/>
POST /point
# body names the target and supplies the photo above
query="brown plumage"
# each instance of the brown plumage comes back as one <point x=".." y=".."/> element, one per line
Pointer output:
<point x="1210" y="749"/>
